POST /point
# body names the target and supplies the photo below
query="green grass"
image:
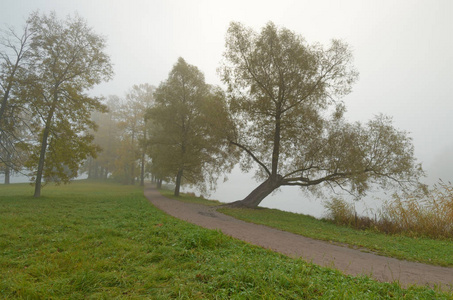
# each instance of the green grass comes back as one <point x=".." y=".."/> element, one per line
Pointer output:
<point x="425" y="250"/>
<point x="105" y="241"/>
<point x="430" y="251"/>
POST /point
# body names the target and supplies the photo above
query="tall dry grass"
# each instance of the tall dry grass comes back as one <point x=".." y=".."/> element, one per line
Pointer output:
<point x="415" y="214"/>
<point x="419" y="214"/>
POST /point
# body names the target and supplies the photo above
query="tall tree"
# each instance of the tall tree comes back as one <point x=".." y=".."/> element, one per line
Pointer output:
<point x="133" y="123"/>
<point x="14" y="57"/>
<point x="107" y="137"/>
<point x="68" y="59"/>
<point x="144" y="93"/>
<point x="284" y="96"/>
<point x="190" y="128"/>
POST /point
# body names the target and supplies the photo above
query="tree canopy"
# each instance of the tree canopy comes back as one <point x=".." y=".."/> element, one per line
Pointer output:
<point x="284" y="96"/>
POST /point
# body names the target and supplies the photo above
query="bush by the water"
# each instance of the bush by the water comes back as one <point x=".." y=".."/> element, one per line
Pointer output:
<point x="415" y="214"/>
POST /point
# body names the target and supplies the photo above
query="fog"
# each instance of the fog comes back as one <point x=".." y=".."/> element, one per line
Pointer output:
<point x="402" y="49"/>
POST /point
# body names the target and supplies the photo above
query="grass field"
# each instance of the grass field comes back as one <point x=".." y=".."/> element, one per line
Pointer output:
<point x="105" y="241"/>
<point x="425" y="250"/>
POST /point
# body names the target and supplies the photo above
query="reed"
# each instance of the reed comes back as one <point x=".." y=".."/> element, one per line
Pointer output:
<point x="415" y="214"/>
<point x="420" y="214"/>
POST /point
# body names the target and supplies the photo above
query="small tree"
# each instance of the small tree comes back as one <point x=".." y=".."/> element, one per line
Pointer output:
<point x="190" y="126"/>
<point x="107" y="137"/>
<point x="284" y="99"/>
<point x="14" y="59"/>
<point x="68" y="59"/>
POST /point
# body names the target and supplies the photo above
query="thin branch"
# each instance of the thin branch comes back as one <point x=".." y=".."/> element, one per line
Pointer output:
<point x="301" y="170"/>
<point x="255" y="78"/>
<point x="253" y="156"/>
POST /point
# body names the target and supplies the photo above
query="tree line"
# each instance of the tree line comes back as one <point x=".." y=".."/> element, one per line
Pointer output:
<point x="122" y="136"/>
<point x="281" y="114"/>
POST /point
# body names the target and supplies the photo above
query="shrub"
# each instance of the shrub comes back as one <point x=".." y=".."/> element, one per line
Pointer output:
<point x="343" y="213"/>
<point x="339" y="211"/>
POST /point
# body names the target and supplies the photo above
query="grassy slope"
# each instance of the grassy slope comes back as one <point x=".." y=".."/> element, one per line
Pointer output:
<point x="425" y="250"/>
<point x="106" y="241"/>
<point x="437" y="252"/>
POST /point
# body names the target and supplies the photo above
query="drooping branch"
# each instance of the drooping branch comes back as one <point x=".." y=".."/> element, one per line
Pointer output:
<point x="253" y="156"/>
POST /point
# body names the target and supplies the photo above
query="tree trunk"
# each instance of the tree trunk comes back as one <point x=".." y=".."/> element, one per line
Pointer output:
<point x="159" y="183"/>
<point x="97" y="170"/>
<point x="178" y="182"/>
<point x="42" y="156"/>
<point x="4" y="104"/>
<point x="274" y="181"/>
<point x="258" y="194"/>
<point x="7" y="168"/>
<point x="7" y="174"/>
<point x="90" y="163"/>
<point x="132" y="175"/>
<point x="9" y="87"/>
<point x="142" y="171"/>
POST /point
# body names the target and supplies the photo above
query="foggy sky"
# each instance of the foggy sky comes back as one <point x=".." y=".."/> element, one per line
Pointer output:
<point x="402" y="49"/>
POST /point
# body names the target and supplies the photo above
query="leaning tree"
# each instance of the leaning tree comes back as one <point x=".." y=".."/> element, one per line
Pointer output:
<point x="284" y="96"/>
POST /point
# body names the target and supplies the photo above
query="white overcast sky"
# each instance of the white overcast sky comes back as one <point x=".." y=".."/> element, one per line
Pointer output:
<point x="403" y="51"/>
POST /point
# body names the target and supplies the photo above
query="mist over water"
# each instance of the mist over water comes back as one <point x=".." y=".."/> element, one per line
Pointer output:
<point x="287" y="198"/>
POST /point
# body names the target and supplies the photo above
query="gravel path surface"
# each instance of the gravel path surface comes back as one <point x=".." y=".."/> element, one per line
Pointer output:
<point x="347" y="260"/>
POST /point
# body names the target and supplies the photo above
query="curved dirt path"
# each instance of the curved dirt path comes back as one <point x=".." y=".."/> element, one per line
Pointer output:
<point x="347" y="260"/>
